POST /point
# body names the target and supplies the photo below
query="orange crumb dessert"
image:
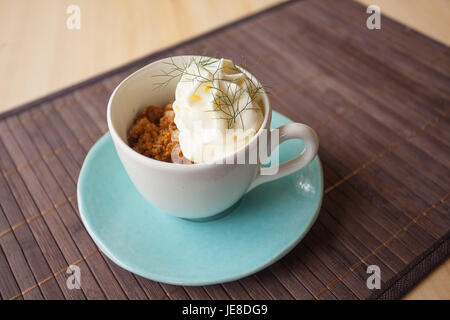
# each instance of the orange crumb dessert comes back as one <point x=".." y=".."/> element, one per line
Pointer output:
<point x="155" y="135"/>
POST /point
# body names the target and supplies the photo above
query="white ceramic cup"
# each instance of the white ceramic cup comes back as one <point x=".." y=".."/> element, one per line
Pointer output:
<point x="192" y="191"/>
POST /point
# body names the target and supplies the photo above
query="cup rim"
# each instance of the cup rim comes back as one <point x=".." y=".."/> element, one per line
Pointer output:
<point x="178" y="166"/>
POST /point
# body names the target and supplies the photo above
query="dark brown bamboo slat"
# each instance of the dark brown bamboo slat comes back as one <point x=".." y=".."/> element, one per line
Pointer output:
<point x="216" y="292"/>
<point x="102" y="275"/>
<point x="274" y="285"/>
<point x="24" y="239"/>
<point x="236" y="291"/>
<point x="254" y="288"/>
<point x="356" y="239"/>
<point x="290" y="281"/>
<point x="380" y="101"/>
<point x="151" y="288"/>
<point x="8" y="284"/>
<point x="68" y="214"/>
<point x="174" y="292"/>
<point x="322" y="272"/>
<point x="127" y="281"/>
<point x="397" y="168"/>
<point x="381" y="228"/>
<point x="18" y="264"/>
<point x="338" y="262"/>
<point x="39" y="228"/>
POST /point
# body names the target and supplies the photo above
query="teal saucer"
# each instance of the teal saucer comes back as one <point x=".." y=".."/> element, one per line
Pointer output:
<point x="257" y="231"/>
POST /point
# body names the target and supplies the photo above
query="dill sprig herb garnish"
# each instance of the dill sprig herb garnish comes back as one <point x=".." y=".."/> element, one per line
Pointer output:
<point x="176" y="71"/>
<point x="228" y="102"/>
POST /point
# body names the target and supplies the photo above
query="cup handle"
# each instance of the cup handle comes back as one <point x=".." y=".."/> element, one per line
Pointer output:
<point x="286" y="132"/>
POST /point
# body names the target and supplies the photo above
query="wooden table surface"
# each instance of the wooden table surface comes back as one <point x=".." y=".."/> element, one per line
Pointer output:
<point x="40" y="55"/>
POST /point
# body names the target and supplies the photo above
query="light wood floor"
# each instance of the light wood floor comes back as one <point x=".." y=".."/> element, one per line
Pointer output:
<point x="39" y="55"/>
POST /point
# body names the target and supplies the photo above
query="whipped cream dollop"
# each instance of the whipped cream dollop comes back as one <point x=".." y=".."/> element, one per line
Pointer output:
<point x="217" y="109"/>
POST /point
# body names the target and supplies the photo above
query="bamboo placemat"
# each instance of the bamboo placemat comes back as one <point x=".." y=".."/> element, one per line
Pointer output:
<point x="379" y="100"/>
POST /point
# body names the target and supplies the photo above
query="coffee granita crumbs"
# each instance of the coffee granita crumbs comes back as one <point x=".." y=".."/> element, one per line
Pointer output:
<point x="154" y="134"/>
